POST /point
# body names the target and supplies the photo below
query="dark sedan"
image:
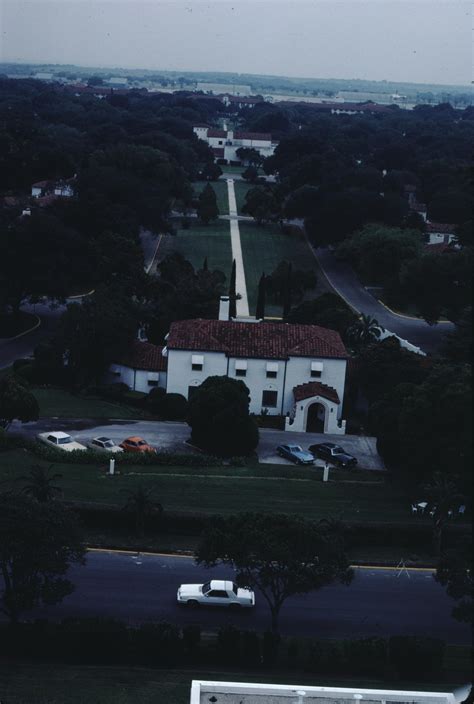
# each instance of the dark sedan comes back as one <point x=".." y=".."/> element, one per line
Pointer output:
<point x="333" y="453"/>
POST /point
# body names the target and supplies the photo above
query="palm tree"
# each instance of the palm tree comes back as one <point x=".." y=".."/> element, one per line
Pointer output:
<point x="364" y="331"/>
<point x="40" y="485"/>
<point x="141" y="503"/>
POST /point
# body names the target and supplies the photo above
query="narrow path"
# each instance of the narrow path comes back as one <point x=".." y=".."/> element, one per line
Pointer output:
<point x="240" y="285"/>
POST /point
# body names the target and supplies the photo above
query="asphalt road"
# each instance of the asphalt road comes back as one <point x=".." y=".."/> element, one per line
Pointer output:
<point x="142" y="588"/>
<point x="343" y="279"/>
<point x="172" y="436"/>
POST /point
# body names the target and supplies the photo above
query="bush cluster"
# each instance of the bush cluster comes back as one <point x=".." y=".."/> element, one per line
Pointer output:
<point x="51" y="454"/>
<point x="97" y="641"/>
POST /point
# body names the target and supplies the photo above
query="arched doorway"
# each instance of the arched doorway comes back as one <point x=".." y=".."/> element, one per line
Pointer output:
<point x="315" y="418"/>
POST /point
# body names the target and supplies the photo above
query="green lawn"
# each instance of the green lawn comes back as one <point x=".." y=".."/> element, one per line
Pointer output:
<point x="222" y="489"/>
<point x="241" y="188"/>
<point x="220" y="188"/>
<point x="62" y="404"/>
<point x="201" y="241"/>
<point x="263" y="249"/>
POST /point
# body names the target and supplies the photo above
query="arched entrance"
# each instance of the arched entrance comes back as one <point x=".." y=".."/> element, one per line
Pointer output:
<point x="315" y="418"/>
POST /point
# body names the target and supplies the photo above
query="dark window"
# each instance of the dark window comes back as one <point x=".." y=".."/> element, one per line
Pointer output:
<point x="196" y="367"/>
<point x="316" y="373"/>
<point x="271" y="375"/>
<point x="218" y="593"/>
<point x="220" y="141"/>
<point x="191" y="391"/>
<point x="240" y="372"/>
<point x="152" y="382"/>
<point x="269" y="399"/>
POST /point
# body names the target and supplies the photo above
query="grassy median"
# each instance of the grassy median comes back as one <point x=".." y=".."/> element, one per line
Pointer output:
<point x="225" y="490"/>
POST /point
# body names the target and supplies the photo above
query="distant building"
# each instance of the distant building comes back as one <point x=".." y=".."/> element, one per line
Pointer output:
<point x="44" y="76"/>
<point x="118" y="81"/>
<point x="238" y="102"/>
<point x="224" y="143"/>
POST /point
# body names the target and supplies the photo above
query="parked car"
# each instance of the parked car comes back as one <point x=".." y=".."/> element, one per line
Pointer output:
<point x="216" y="593"/>
<point x="104" y="445"/>
<point x="60" y="440"/>
<point x="334" y="454"/>
<point x="296" y="454"/>
<point x="136" y="444"/>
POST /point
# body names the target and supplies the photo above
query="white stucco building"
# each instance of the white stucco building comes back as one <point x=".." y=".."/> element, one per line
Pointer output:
<point x="203" y="691"/>
<point x="143" y="368"/>
<point x="297" y="371"/>
<point x="224" y="143"/>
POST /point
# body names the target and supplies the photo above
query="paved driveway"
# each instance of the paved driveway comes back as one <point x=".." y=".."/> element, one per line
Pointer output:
<point x="361" y="446"/>
<point x="172" y="436"/>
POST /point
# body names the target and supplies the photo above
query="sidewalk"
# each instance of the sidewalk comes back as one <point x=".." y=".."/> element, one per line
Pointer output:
<point x="240" y="284"/>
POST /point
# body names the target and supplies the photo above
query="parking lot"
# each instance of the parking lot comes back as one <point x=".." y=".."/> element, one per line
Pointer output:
<point x="172" y="437"/>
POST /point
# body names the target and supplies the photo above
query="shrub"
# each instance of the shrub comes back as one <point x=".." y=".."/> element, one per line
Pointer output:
<point x="250" y="649"/>
<point x="167" y="406"/>
<point x="271" y="645"/>
<point x="416" y="657"/>
<point x="191" y="638"/>
<point x="368" y="656"/>
<point x="111" y="391"/>
<point x="228" y="644"/>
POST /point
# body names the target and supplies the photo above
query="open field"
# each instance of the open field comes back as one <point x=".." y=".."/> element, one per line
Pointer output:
<point x="263" y="249"/>
<point x="241" y="188"/>
<point x="225" y="490"/>
<point x="220" y="189"/>
<point x="57" y="403"/>
<point x="201" y="241"/>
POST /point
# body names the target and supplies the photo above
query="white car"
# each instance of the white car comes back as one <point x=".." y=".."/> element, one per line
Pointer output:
<point x="62" y="441"/>
<point x="216" y="593"/>
<point x="104" y="445"/>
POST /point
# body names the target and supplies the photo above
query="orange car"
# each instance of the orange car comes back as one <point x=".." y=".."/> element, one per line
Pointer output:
<point x="136" y="444"/>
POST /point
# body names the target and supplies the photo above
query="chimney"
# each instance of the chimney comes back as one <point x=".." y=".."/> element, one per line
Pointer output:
<point x="224" y="308"/>
<point x="230" y="134"/>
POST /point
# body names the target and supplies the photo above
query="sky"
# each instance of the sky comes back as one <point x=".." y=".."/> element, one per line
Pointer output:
<point x="421" y="41"/>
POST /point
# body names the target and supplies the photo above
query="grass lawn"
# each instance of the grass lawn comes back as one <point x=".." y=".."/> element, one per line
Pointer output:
<point x="58" y="683"/>
<point x="200" y="241"/>
<point x="263" y="249"/>
<point x="241" y="188"/>
<point x="220" y="188"/>
<point x="223" y="489"/>
<point x="58" y="403"/>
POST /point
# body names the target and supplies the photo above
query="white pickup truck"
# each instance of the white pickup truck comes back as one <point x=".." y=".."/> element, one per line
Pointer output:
<point x="216" y="593"/>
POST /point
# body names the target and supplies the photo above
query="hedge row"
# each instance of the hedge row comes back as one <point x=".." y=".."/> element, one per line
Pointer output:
<point x="94" y="641"/>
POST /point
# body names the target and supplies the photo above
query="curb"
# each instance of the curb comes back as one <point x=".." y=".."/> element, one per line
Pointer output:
<point x="148" y="268"/>
<point x="410" y="317"/>
<point x="83" y="295"/>
<point x="26" y="332"/>
<point x="189" y="555"/>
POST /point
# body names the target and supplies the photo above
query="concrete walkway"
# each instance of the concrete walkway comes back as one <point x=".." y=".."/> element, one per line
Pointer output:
<point x="240" y="285"/>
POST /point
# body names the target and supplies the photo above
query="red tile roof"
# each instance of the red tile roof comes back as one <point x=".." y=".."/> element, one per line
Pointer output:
<point x="255" y="136"/>
<point x="221" y="134"/>
<point x="218" y="152"/>
<point x="257" y="340"/>
<point x="144" y="356"/>
<point x="44" y="201"/>
<point x="441" y="227"/>
<point x="42" y="184"/>
<point x="315" y="388"/>
<point x="439" y="248"/>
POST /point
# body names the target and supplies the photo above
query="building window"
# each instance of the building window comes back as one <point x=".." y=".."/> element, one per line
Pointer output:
<point x="220" y="141"/>
<point x="197" y="362"/>
<point x="241" y="368"/>
<point x="152" y="382"/>
<point x="240" y="372"/>
<point x="272" y="370"/>
<point x="316" y="370"/>
<point x="269" y="399"/>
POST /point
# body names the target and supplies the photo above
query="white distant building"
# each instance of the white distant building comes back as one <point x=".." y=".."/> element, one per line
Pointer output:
<point x="118" y="81"/>
<point x="203" y="692"/>
<point x="44" y="76"/>
<point x="224" y="143"/>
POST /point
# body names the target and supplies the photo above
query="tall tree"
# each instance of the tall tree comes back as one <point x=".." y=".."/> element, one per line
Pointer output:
<point x="16" y="402"/>
<point x="38" y="544"/>
<point x="232" y="291"/>
<point x="454" y="571"/>
<point x="260" y="309"/>
<point x="279" y="555"/>
<point x="207" y="209"/>
<point x="287" y="292"/>
<point x="364" y="331"/>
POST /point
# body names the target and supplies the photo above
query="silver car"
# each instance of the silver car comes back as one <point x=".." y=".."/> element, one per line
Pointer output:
<point x="104" y="444"/>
